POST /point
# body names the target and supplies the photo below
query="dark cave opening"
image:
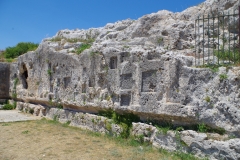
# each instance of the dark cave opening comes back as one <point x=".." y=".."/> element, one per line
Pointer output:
<point x="24" y="76"/>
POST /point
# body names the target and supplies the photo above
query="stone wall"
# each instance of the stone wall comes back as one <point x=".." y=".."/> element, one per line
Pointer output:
<point x="4" y="80"/>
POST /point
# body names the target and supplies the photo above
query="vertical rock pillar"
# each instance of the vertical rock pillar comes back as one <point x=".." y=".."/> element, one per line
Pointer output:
<point x="4" y="80"/>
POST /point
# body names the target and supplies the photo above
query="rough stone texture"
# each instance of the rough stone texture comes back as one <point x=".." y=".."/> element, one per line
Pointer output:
<point x="140" y="66"/>
<point x="143" y="66"/>
<point x="4" y="80"/>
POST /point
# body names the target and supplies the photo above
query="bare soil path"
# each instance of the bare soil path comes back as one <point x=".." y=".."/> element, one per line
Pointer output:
<point x="14" y="115"/>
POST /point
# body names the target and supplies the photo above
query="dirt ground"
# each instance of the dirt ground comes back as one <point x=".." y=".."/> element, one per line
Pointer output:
<point x="50" y="140"/>
<point x="42" y="139"/>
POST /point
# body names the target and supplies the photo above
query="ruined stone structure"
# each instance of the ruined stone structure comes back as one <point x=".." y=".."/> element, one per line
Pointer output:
<point x="142" y="66"/>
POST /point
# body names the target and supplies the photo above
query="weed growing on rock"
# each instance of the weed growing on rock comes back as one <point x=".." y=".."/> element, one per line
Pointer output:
<point x="49" y="72"/>
<point x="214" y="68"/>
<point x="162" y="129"/>
<point x="93" y="54"/>
<point x="227" y="55"/>
<point x="223" y="77"/>
<point x="160" y="40"/>
<point x="124" y="120"/>
<point x="56" y="39"/>
<point x="202" y="127"/>
<point x="205" y="128"/>
<point x="83" y="47"/>
<point x="207" y="99"/>
<point x="31" y="110"/>
<point x="15" y="83"/>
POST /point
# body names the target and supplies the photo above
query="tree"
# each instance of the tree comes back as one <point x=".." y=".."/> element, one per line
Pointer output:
<point x="19" y="49"/>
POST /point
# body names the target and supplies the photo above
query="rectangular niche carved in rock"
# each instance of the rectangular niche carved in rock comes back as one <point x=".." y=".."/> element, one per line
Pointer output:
<point x="66" y="81"/>
<point x="91" y="82"/>
<point x="126" y="81"/>
<point x="124" y="56"/>
<point x="113" y="62"/>
<point x="84" y="88"/>
<point x="125" y="99"/>
<point x="149" y="81"/>
<point x="101" y="79"/>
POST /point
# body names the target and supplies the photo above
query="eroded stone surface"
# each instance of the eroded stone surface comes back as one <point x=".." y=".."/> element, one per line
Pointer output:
<point x="144" y="66"/>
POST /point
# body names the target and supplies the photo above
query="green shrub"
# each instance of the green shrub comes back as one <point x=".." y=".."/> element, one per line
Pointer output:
<point x="8" y="107"/>
<point x="83" y="47"/>
<point x="31" y="110"/>
<point x="205" y="128"/>
<point x="202" y="127"/>
<point x="19" y="49"/>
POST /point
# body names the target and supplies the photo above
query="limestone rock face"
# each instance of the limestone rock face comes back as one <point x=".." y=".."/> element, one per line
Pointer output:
<point x="144" y="66"/>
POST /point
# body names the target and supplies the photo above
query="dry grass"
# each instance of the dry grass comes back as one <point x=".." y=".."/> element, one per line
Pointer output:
<point x="44" y="139"/>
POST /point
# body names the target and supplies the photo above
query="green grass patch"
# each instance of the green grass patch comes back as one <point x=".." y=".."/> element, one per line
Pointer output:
<point x="83" y="47"/>
<point x="223" y="76"/>
<point x="228" y="55"/>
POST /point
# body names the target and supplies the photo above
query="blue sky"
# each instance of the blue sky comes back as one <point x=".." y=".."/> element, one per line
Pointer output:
<point x="34" y="20"/>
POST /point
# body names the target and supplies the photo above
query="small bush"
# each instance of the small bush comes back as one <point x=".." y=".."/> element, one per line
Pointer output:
<point x="8" y="107"/>
<point x="31" y="110"/>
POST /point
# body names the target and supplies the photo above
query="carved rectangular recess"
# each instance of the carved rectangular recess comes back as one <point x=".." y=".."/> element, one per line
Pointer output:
<point x="101" y="79"/>
<point x="124" y="56"/>
<point x="113" y="62"/>
<point x="126" y="81"/>
<point x="149" y="81"/>
<point x="66" y="81"/>
<point x="84" y="88"/>
<point x="125" y="99"/>
<point x="153" y="56"/>
<point x="91" y="82"/>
